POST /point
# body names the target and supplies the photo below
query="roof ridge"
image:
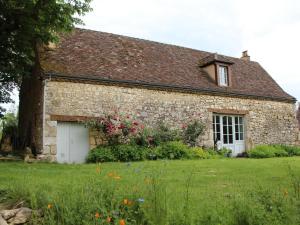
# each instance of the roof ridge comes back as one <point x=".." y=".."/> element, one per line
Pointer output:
<point x="160" y="43"/>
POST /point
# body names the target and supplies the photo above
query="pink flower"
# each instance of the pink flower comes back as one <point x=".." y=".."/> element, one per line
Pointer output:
<point x="135" y="123"/>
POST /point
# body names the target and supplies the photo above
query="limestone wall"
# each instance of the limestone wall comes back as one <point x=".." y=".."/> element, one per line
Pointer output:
<point x="267" y="122"/>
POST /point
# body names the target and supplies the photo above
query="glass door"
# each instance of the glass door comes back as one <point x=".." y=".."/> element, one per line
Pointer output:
<point x="229" y="132"/>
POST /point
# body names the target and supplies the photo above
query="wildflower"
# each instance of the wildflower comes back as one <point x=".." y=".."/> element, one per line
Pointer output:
<point x="141" y="200"/>
<point x="110" y="174"/>
<point x="135" y="123"/>
<point x="130" y="203"/>
<point x="108" y="219"/>
<point x="122" y="222"/>
<point x="285" y="192"/>
<point x="49" y="206"/>
<point x="97" y="215"/>
<point x="117" y="177"/>
<point x="125" y="201"/>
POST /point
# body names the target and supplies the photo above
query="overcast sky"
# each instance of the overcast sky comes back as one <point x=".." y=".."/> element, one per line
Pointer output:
<point x="268" y="29"/>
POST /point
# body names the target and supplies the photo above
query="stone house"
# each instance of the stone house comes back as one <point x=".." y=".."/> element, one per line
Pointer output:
<point x="90" y="73"/>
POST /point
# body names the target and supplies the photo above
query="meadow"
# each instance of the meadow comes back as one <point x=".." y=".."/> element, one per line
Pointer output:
<point x="212" y="191"/>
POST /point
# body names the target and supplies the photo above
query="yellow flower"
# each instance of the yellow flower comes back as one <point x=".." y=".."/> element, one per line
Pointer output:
<point x="49" y="206"/>
<point x="125" y="201"/>
<point x="117" y="177"/>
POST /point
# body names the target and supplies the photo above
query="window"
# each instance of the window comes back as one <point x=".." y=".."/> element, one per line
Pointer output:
<point x="223" y="76"/>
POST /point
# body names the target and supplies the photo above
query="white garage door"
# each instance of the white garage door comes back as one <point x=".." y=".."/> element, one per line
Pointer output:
<point x="72" y="143"/>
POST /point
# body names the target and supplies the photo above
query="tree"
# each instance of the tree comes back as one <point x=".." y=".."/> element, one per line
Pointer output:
<point x="26" y="25"/>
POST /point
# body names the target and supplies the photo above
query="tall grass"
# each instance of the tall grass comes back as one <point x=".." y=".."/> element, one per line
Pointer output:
<point x="158" y="193"/>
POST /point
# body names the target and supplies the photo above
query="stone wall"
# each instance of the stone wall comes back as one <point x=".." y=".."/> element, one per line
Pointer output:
<point x="267" y="122"/>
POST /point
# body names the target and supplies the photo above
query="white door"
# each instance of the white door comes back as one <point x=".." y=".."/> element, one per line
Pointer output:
<point x="229" y="131"/>
<point x="72" y="143"/>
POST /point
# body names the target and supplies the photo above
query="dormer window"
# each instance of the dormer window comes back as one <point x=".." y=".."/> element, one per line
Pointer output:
<point x="223" y="76"/>
<point x="218" y="69"/>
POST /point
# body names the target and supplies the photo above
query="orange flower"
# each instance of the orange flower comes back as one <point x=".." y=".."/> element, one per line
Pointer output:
<point x="49" y="206"/>
<point x="108" y="219"/>
<point x="125" y="201"/>
<point x="110" y="174"/>
<point x="130" y="202"/>
<point x="97" y="215"/>
<point x="122" y="222"/>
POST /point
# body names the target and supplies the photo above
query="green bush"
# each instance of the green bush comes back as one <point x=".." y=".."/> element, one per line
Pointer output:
<point x="172" y="150"/>
<point x="192" y="132"/>
<point x="224" y="152"/>
<point x="101" y="154"/>
<point x="267" y="151"/>
<point x="291" y="150"/>
<point x="126" y="153"/>
<point x="198" y="153"/>
<point x="164" y="133"/>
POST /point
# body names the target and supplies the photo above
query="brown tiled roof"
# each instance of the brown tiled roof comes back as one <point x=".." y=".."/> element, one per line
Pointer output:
<point x="97" y="56"/>
<point x="212" y="58"/>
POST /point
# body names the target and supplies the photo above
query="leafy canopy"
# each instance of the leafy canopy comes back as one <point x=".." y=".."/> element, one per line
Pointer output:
<point x="25" y="24"/>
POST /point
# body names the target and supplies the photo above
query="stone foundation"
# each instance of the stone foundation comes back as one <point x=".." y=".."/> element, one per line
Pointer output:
<point x="266" y="122"/>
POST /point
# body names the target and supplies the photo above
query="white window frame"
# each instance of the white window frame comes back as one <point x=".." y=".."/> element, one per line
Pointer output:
<point x="240" y="131"/>
<point x="223" y="76"/>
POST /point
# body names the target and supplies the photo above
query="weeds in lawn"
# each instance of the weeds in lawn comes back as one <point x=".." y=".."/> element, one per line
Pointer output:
<point x="149" y="200"/>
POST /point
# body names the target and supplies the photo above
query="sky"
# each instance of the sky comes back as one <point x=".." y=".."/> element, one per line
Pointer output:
<point x="268" y="29"/>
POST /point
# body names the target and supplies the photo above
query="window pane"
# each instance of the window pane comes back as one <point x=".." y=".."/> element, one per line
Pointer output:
<point x="225" y="139"/>
<point x="241" y="136"/>
<point x="225" y="120"/>
<point x="241" y="128"/>
<point x="218" y="128"/>
<point x="223" y="75"/>
<point x="217" y="119"/>
<point x="236" y="128"/>
<point x="218" y="136"/>
<point x="237" y="136"/>
<point x="241" y="120"/>
<point x="230" y="130"/>
<point x="230" y="120"/>
<point x="230" y="139"/>
<point x="224" y="130"/>
<point x="236" y="120"/>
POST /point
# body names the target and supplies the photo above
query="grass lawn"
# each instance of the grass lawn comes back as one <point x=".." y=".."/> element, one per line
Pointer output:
<point x="215" y="191"/>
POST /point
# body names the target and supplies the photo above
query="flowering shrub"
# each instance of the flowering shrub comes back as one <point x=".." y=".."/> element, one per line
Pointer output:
<point x="116" y="128"/>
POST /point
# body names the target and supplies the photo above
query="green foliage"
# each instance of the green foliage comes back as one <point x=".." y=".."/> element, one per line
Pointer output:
<point x="291" y="150"/>
<point x="267" y="151"/>
<point x="172" y="150"/>
<point x="224" y="152"/>
<point x="198" y="153"/>
<point x="192" y="131"/>
<point x="163" y="133"/>
<point x="127" y="153"/>
<point x="25" y="25"/>
<point x="101" y="154"/>
<point x="123" y="153"/>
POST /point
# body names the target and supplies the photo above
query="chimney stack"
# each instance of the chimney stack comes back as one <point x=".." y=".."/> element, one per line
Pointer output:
<point x="245" y="56"/>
